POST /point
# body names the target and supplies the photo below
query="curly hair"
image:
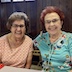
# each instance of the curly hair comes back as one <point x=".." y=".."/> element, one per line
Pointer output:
<point x="17" y="16"/>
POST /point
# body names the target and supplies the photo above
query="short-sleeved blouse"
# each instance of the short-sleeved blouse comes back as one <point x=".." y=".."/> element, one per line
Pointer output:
<point x="16" y="57"/>
<point x="55" y="56"/>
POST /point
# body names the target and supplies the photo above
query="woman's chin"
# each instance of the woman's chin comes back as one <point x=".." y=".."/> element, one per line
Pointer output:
<point x="18" y="37"/>
<point x="52" y="33"/>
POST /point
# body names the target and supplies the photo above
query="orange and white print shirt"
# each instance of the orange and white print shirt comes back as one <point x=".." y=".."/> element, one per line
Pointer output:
<point x="16" y="57"/>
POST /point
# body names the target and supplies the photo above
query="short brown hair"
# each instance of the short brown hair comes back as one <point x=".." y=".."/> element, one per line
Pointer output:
<point x="50" y="9"/>
<point x="17" y="16"/>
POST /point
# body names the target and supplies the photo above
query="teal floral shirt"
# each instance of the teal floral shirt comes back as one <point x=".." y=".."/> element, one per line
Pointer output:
<point x="56" y="57"/>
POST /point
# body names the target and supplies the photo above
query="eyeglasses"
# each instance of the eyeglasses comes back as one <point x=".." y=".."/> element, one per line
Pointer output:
<point x="53" y="21"/>
<point x="16" y="26"/>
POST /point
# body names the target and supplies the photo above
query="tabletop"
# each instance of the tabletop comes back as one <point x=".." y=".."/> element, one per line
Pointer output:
<point x="14" y="69"/>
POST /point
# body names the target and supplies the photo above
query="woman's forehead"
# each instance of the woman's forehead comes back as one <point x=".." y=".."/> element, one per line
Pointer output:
<point x="51" y="15"/>
<point x="19" y="21"/>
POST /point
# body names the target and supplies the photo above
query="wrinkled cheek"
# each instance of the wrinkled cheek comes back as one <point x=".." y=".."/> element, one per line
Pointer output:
<point x="46" y="28"/>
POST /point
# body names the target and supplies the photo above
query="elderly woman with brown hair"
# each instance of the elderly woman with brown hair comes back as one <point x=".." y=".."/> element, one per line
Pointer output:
<point x="16" y="47"/>
<point x="55" y="45"/>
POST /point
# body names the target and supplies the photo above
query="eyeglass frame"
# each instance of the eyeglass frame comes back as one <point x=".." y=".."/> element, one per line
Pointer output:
<point x="16" y="26"/>
<point x="53" y="21"/>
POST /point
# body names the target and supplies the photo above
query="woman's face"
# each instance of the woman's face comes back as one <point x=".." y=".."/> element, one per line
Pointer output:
<point x="53" y="24"/>
<point x="18" y="28"/>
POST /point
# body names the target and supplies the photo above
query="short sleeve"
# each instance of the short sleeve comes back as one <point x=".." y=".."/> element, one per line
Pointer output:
<point x="70" y="47"/>
<point x="0" y="53"/>
<point x="1" y="47"/>
<point x="31" y="47"/>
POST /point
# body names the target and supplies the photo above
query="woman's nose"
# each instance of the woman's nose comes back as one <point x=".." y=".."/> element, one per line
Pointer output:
<point x="18" y="28"/>
<point x="51" y="23"/>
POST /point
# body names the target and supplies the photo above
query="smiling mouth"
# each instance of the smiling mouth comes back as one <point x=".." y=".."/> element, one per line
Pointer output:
<point x="52" y="29"/>
<point x="19" y="33"/>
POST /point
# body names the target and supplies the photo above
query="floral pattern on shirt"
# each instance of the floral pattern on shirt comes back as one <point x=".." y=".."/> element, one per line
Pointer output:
<point x="56" y="56"/>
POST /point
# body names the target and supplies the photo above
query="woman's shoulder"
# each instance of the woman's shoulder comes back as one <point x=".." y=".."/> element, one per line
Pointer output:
<point x="42" y="35"/>
<point x="3" y="38"/>
<point x="28" y="38"/>
<point x="68" y="34"/>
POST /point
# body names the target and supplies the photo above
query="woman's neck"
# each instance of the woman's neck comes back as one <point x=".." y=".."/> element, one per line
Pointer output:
<point x="54" y="37"/>
<point x="15" y="42"/>
<point x="16" y="39"/>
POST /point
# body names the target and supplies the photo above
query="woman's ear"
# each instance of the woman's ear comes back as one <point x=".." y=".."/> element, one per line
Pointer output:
<point x="61" y="22"/>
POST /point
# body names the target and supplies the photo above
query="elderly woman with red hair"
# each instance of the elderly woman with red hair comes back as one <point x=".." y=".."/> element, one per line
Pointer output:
<point x="55" y="45"/>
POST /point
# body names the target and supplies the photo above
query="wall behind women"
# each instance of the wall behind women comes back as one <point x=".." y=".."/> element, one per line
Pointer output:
<point x="33" y="10"/>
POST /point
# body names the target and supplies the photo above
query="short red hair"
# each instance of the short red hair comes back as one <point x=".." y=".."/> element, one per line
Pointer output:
<point x="50" y="9"/>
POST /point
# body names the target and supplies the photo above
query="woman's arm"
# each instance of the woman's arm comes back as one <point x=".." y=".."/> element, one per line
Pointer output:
<point x="29" y="60"/>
